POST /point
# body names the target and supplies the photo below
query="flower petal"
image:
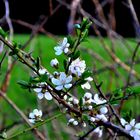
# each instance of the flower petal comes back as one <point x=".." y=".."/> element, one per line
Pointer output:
<point x="103" y="110"/>
<point x="42" y="71"/>
<point x="128" y="127"/>
<point x="137" y="126"/>
<point x="48" y="96"/>
<point x="40" y="95"/>
<point x="65" y="40"/>
<point x="123" y="121"/>
<point x="132" y="123"/>
<point x="37" y="89"/>
<point x="59" y="87"/>
<point x="32" y="120"/>
<point x="68" y="79"/>
<point x="86" y="86"/>
<point x="62" y="76"/>
<point x="68" y="86"/>
<point x="31" y="115"/>
<point x="56" y="81"/>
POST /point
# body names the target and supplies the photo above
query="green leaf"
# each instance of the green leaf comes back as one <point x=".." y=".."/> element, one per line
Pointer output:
<point x="85" y="117"/>
<point x="38" y="63"/>
<point x="65" y="63"/>
<point x="84" y="35"/>
<point x="76" y="55"/>
<point x="81" y="102"/>
<point x="135" y="90"/>
<point x="3" y="33"/>
<point x="118" y="93"/>
<point x="24" y="84"/>
<point x="86" y="74"/>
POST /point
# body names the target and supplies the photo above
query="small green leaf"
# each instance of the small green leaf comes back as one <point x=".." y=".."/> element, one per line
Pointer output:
<point x="24" y="84"/>
<point x="3" y="33"/>
<point x="81" y="102"/>
<point x="86" y="74"/>
<point x="85" y="117"/>
<point x="38" y="63"/>
<point x="76" y="55"/>
<point x="65" y="63"/>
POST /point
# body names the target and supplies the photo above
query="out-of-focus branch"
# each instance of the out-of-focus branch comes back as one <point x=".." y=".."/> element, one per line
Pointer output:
<point x="135" y="18"/>
<point x="8" y="20"/>
<point x="73" y="10"/>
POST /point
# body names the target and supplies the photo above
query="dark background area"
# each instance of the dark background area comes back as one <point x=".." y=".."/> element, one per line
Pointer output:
<point x="30" y="11"/>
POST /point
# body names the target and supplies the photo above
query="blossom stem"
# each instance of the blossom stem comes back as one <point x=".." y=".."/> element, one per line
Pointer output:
<point x="35" y="126"/>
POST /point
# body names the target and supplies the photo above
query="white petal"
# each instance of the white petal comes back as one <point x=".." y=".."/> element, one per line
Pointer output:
<point x="123" y="121"/>
<point x="86" y="86"/>
<point x="31" y="115"/>
<point x="59" y="87"/>
<point x="92" y="119"/>
<point x="48" y="96"/>
<point x="88" y="95"/>
<point x="99" y="131"/>
<point x="75" y="101"/>
<point x="103" y="110"/>
<point x="89" y="79"/>
<point x="58" y="50"/>
<point x="69" y="79"/>
<point x="68" y="86"/>
<point x="42" y="71"/>
<point x="97" y="100"/>
<point x="62" y="76"/>
<point x="137" y="126"/>
<point x="66" y="50"/>
<point x="37" y="89"/>
<point x="75" y="123"/>
<point x="128" y="127"/>
<point x="133" y="133"/>
<point x="32" y="120"/>
<point x="39" y="113"/>
<point x="65" y="40"/>
<point x="56" y="81"/>
<point x="132" y="123"/>
<point x="71" y="120"/>
<point x="40" y="95"/>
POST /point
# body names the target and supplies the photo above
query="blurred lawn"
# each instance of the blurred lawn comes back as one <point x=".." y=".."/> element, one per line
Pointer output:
<point x="43" y="47"/>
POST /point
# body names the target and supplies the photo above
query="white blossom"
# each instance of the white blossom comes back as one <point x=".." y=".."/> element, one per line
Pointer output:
<point x="98" y="100"/>
<point x="43" y="93"/>
<point x="90" y="107"/>
<point x="42" y="71"/>
<point x="103" y="110"/>
<point x="99" y="131"/>
<point x="62" y="47"/>
<point x="35" y="115"/>
<point x="77" y="67"/>
<point x="54" y="62"/>
<point x="73" y="121"/>
<point x="101" y="117"/>
<point x="133" y="128"/>
<point x="92" y="119"/>
<point x="62" y="81"/>
<point x="87" y="84"/>
<point x="75" y="101"/>
<point x="88" y="95"/>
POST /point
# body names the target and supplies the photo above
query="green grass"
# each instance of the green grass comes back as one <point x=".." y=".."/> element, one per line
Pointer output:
<point x="43" y="46"/>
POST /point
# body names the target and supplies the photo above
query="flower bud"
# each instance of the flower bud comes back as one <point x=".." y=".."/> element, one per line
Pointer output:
<point x="54" y="63"/>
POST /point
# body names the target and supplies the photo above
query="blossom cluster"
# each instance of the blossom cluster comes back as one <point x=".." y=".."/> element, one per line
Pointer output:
<point x="93" y="105"/>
